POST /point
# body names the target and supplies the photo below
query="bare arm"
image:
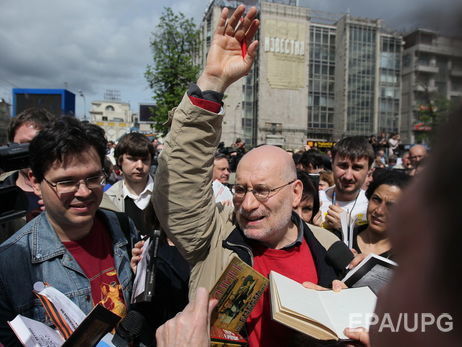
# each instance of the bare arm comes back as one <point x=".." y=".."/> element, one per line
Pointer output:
<point x="191" y="327"/>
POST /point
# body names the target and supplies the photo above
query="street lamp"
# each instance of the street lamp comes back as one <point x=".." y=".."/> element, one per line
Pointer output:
<point x="84" y="105"/>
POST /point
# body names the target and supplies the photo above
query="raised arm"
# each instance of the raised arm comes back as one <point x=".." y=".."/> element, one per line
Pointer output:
<point x="182" y="195"/>
<point x="225" y="63"/>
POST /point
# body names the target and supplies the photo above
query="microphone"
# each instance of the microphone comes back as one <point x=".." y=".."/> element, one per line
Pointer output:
<point x="339" y="255"/>
<point x="129" y="329"/>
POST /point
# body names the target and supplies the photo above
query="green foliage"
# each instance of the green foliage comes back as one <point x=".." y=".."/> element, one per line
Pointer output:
<point x="175" y="43"/>
<point x="434" y="113"/>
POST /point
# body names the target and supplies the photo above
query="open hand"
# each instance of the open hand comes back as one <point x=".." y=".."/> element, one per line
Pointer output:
<point x="225" y="63"/>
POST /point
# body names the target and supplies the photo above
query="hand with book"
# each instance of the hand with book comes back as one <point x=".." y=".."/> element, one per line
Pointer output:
<point x="318" y="312"/>
<point x="359" y="334"/>
<point x="191" y="327"/>
<point x="137" y="250"/>
<point x="359" y="257"/>
<point x="336" y="286"/>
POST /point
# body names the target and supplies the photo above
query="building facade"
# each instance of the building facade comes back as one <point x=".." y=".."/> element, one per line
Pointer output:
<point x="115" y="117"/>
<point x="432" y="69"/>
<point x="4" y="121"/>
<point x="317" y="76"/>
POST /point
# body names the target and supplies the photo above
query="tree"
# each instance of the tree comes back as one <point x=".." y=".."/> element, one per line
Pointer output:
<point x="432" y="114"/>
<point x="175" y="43"/>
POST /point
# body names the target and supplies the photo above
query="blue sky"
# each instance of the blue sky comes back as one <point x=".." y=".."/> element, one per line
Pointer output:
<point x="104" y="44"/>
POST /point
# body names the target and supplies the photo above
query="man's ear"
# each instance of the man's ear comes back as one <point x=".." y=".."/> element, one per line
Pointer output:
<point x="35" y="184"/>
<point x="298" y="190"/>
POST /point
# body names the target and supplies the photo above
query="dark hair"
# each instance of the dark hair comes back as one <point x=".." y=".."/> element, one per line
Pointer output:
<point x="312" y="157"/>
<point x="296" y="158"/>
<point x="389" y="177"/>
<point x="134" y="144"/>
<point x="354" y="147"/>
<point x="66" y="136"/>
<point x="219" y="156"/>
<point x="39" y="117"/>
<point x="309" y="191"/>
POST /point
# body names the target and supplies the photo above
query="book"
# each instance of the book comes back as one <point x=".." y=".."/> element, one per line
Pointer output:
<point x="222" y="337"/>
<point x="374" y="271"/>
<point x="139" y="283"/>
<point x="73" y="327"/>
<point x="320" y="314"/>
<point x="32" y="333"/>
<point x="237" y="290"/>
<point x="145" y="277"/>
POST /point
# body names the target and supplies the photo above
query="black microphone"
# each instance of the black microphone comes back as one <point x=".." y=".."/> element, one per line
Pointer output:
<point x="339" y="255"/>
<point x="129" y="329"/>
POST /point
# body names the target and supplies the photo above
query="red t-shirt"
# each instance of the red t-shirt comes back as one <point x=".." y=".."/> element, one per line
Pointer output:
<point x="296" y="263"/>
<point x="95" y="256"/>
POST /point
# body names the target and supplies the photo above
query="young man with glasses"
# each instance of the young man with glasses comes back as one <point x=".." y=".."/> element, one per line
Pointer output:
<point x="262" y="229"/>
<point x="73" y="246"/>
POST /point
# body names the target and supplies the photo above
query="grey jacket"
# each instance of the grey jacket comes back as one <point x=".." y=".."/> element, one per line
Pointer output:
<point x="203" y="231"/>
<point x="115" y="194"/>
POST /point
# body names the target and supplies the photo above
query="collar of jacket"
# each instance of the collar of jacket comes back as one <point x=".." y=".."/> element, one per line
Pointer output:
<point x="9" y="178"/>
<point x="238" y="243"/>
<point x="45" y="243"/>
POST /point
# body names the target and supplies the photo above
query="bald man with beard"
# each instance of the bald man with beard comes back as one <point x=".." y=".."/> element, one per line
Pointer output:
<point x="262" y="230"/>
<point x="416" y="154"/>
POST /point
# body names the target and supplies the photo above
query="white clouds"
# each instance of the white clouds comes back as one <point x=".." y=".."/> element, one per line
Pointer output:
<point x="95" y="45"/>
<point x="90" y="45"/>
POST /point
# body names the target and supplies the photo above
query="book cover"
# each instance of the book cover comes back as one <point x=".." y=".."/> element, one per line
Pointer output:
<point x="237" y="290"/>
<point x="222" y="337"/>
<point x="374" y="272"/>
<point x="98" y="323"/>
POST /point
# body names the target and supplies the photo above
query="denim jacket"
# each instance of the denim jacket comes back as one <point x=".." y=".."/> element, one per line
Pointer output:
<point x="35" y="253"/>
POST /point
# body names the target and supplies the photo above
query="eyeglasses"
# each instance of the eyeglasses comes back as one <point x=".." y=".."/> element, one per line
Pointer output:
<point x="261" y="192"/>
<point x="72" y="186"/>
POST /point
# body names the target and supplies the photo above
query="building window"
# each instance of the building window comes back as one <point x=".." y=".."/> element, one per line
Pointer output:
<point x="109" y="108"/>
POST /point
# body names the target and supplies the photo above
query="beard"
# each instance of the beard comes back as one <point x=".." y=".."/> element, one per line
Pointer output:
<point x="265" y="225"/>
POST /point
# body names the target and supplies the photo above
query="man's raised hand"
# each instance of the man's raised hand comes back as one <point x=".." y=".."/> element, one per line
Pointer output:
<point x="225" y="63"/>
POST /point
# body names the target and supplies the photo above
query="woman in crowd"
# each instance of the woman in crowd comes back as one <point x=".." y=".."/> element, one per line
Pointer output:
<point x="383" y="192"/>
<point x="326" y="179"/>
<point x="309" y="204"/>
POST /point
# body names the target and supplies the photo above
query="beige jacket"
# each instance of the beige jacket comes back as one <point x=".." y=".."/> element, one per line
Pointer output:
<point x="183" y="198"/>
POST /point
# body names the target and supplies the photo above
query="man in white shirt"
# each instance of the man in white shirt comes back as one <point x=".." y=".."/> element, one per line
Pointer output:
<point x="353" y="157"/>
<point x="132" y="194"/>
<point x="221" y="174"/>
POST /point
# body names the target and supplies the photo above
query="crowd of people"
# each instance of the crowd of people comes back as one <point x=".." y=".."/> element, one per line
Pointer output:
<point x="90" y="204"/>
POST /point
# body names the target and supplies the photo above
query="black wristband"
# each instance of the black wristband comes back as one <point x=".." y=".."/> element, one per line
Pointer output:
<point x="209" y="95"/>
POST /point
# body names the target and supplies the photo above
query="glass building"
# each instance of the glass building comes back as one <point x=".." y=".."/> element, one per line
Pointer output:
<point x="321" y="92"/>
<point x="317" y="76"/>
